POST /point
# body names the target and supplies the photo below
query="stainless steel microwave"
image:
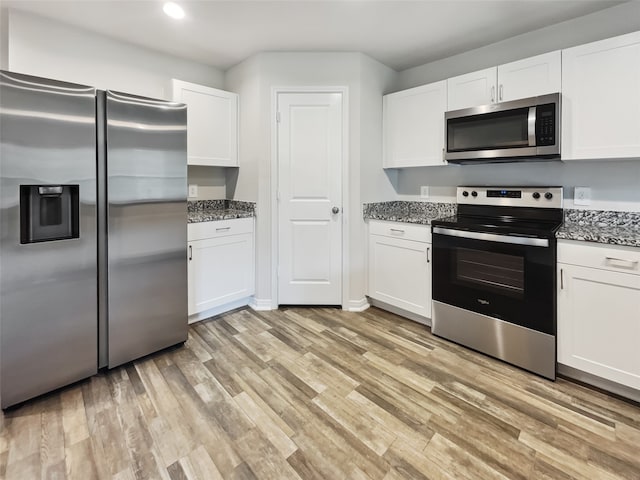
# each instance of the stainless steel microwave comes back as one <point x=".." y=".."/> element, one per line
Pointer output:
<point x="525" y="129"/>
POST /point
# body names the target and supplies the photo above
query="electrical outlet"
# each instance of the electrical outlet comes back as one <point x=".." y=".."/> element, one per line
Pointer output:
<point x="582" y="196"/>
<point x="193" y="190"/>
<point x="424" y="192"/>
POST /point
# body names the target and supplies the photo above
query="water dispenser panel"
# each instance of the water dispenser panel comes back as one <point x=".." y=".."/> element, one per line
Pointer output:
<point x="49" y="212"/>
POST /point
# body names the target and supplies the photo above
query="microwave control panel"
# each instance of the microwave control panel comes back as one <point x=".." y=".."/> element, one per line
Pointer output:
<point x="545" y="125"/>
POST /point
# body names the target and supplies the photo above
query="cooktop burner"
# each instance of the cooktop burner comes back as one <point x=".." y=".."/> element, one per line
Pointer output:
<point x="525" y="211"/>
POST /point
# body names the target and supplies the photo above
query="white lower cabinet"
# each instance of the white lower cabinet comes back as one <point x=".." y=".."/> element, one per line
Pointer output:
<point x="599" y="310"/>
<point x="400" y="266"/>
<point x="221" y="263"/>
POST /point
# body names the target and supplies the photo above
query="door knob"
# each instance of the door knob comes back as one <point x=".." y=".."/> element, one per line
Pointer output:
<point x="335" y="210"/>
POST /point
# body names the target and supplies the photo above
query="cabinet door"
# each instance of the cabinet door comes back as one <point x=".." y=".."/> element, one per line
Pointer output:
<point x="601" y="99"/>
<point x="472" y="89"/>
<point x="414" y="126"/>
<point x="599" y="323"/>
<point x="400" y="273"/>
<point x="539" y="75"/>
<point x="220" y="271"/>
<point x="212" y="124"/>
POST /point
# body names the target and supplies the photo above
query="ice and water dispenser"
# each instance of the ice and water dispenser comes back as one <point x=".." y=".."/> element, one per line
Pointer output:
<point x="49" y="212"/>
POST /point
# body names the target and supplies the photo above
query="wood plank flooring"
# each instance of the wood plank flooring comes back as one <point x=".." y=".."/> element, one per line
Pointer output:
<point x="320" y="394"/>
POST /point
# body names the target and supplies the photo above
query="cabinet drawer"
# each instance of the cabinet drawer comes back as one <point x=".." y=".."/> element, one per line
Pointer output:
<point x="605" y="257"/>
<point x="219" y="228"/>
<point x="407" y="231"/>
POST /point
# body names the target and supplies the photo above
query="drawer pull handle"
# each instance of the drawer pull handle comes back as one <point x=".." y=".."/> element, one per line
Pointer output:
<point x="397" y="230"/>
<point x="223" y="229"/>
<point x="190" y="252"/>
<point x="630" y="263"/>
<point x="428" y="260"/>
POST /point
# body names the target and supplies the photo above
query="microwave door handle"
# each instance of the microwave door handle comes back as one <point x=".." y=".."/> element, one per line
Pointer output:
<point x="531" y="125"/>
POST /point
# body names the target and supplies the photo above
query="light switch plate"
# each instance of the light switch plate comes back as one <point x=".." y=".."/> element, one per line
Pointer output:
<point x="582" y="196"/>
<point x="193" y="190"/>
<point x="424" y="192"/>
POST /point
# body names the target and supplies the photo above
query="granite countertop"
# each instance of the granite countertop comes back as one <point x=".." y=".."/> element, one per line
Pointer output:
<point x="601" y="226"/>
<point x="598" y="226"/>
<point x="214" y="210"/>
<point x="408" y="212"/>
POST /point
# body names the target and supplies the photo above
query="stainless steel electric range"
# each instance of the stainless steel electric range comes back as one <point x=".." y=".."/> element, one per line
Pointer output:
<point x="494" y="280"/>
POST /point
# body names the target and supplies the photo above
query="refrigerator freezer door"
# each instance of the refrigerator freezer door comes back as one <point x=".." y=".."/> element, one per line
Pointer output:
<point x="146" y="144"/>
<point x="48" y="289"/>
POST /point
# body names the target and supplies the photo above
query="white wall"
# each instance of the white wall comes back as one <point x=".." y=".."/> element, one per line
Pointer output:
<point x="4" y="39"/>
<point x="375" y="183"/>
<point x="615" y="184"/>
<point x="42" y="47"/>
<point x="211" y="182"/>
<point x="376" y="78"/>
<point x="254" y="80"/>
<point x="245" y="80"/>
<point x="606" y="23"/>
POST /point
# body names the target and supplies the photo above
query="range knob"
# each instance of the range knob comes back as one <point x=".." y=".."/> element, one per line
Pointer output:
<point x="465" y="193"/>
<point x="474" y="194"/>
<point x="548" y="195"/>
<point x="536" y="195"/>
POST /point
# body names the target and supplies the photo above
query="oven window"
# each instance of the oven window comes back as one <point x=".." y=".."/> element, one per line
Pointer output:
<point x="490" y="271"/>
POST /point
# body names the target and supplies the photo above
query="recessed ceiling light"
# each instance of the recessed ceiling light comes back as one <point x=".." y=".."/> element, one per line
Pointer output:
<point x="173" y="10"/>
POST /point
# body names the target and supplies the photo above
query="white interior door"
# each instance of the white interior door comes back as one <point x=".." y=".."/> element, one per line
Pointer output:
<point x="310" y="198"/>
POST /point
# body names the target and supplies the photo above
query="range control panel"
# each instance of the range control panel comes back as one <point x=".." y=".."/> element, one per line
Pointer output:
<point x="541" y="197"/>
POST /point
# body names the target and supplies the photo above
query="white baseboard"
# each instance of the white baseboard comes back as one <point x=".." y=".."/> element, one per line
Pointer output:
<point x="261" y="304"/>
<point x="357" y="305"/>
<point x="212" y="312"/>
<point x="400" y="311"/>
<point x="599" y="382"/>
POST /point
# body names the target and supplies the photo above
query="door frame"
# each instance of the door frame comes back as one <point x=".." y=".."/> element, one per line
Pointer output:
<point x="275" y="211"/>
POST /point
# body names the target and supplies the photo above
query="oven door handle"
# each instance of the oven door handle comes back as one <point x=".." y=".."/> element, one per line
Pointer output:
<point x="492" y="237"/>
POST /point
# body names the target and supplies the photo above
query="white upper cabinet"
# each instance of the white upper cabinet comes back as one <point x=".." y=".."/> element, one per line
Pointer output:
<point x="472" y="89"/>
<point x="601" y="99"/>
<point x="414" y="126"/>
<point x="530" y="77"/>
<point x="212" y="124"/>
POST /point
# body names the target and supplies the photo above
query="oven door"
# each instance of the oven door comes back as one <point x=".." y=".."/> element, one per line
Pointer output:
<point x="511" y="278"/>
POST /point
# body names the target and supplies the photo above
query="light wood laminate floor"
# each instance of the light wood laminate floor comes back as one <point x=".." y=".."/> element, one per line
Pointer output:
<point x="320" y="394"/>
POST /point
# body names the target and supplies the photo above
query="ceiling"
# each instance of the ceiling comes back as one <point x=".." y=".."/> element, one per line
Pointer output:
<point x="400" y="34"/>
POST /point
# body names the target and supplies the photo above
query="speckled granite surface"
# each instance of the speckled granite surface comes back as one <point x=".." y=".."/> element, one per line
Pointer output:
<point x="408" y="212"/>
<point x="213" y="210"/>
<point x="601" y="226"/>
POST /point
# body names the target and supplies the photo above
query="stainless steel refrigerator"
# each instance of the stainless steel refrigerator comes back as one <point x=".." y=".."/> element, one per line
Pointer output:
<point x="93" y="264"/>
